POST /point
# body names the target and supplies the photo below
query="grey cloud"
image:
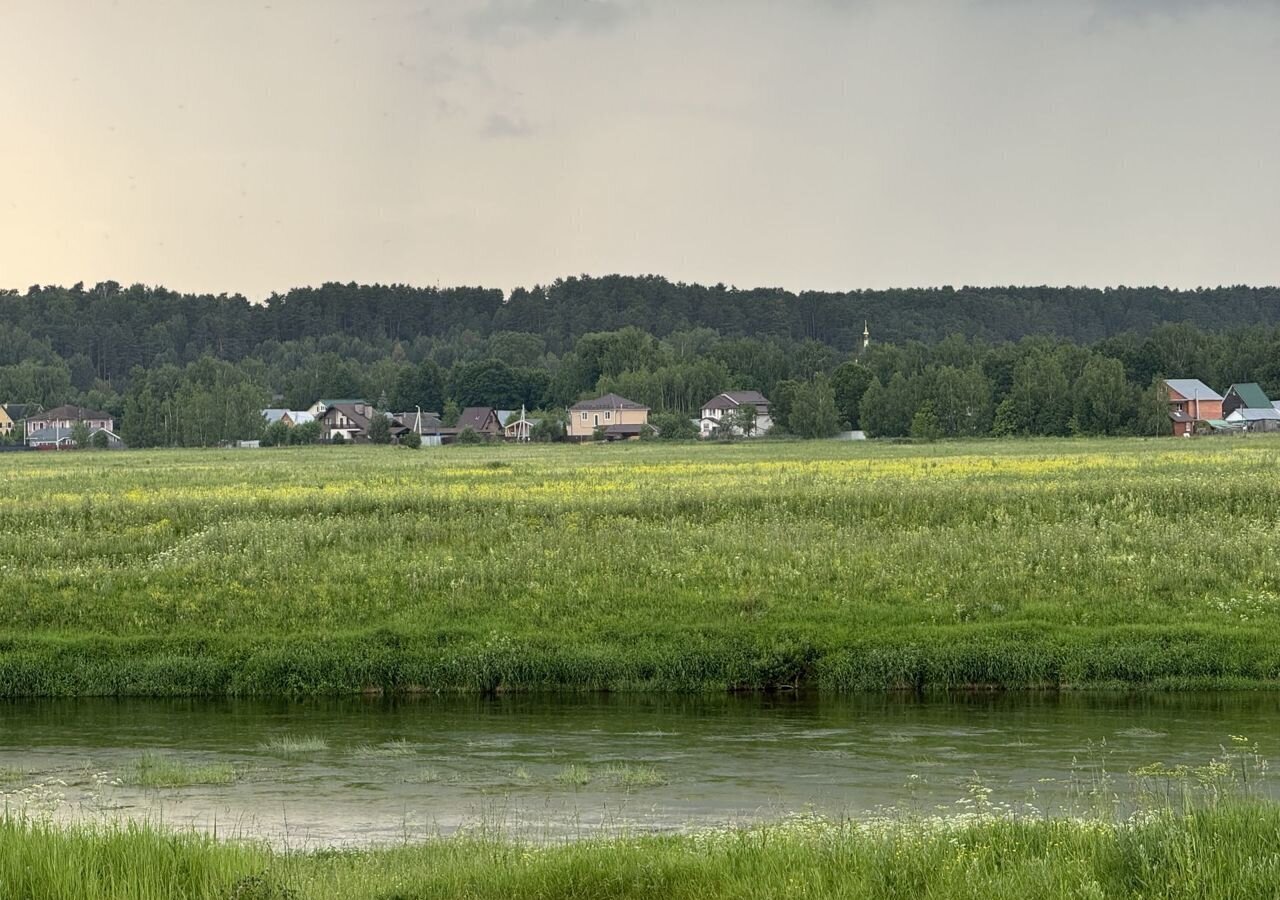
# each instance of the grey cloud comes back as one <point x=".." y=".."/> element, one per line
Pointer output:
<point x="501" y="125"/>
<point x="506" y="19"/>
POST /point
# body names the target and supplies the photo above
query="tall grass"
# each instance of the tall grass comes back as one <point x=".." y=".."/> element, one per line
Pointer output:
<point x="1224" y="852"/>
<point x="847" y="567"/>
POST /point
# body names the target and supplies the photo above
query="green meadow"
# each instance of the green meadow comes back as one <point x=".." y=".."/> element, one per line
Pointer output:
<point x="769" y="565"/>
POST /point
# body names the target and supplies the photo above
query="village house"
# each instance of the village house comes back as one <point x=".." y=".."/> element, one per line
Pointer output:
<point x="726" y="405"/>
<point x="48" y="426"/>
<point x="59" y="439"/>
<point x="350" y="422"/>
<point x="1255" y="419"/>
<point x="1249" y="395"/>
<point x="425" y="423"/>
<point x="318" y="408"/>
<point x="483" y="420"/>
<point x="16" y="415"/>
<point x="1191" y="401"/>
<point x="619" y="418"/>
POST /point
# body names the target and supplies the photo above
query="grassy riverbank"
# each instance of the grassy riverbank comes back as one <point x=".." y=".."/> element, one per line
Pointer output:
<point x="845" y="566"/>
<point x="1229" y="851"/>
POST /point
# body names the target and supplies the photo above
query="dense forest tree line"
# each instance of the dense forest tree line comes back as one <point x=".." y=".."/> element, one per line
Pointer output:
<point x="191" y="370"/>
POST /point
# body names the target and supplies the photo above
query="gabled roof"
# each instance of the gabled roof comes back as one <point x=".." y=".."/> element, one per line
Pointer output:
<point x="296" y="416"/>
<point x="477" y="418"/>
<point x="49" y="436"/>
<point x="430" y="420"/>
<point x="1254" y="414"/>
<point x="358" y="419"/>
<point x="70" y="412"/>
<point x="1251" y="394"/>
<point x="361" y="421"/>
<point x="1192" y="389"/>
<point x="734" y="399"/>
<point x="62" y="436"/>
<point x="608" y="401"/>
<point x="20" y="411"/>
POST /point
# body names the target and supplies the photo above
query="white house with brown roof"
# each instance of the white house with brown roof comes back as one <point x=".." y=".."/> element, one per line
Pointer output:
<point x="723" y="407"/>
<point x="350" y="422"/>
<point x="619" y="417"/>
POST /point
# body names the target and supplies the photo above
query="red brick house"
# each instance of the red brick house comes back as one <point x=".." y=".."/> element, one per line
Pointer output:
<point x="1191" y="401"/>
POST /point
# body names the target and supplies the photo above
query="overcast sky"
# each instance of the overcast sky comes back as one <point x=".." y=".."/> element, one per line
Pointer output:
<point x="810" y="144"/>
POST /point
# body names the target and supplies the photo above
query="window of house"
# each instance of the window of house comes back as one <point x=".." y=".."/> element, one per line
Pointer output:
<point x="584" y="417"/>
<point x="608" y="416"/>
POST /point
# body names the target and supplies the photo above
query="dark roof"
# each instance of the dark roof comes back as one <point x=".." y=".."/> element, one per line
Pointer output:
<point x="734" y="399"/>
<point x="68" y="411"/>
<point x="1251" y="394"/>
<point x="20" y="411"/>
<point x="1180" y="417"/>
<point x="625" y="429"/>
<point x="430" y="421"/>
<point x="359" y="419"/>
<point x="477" y="418"/>
<point x="608" y="401"/>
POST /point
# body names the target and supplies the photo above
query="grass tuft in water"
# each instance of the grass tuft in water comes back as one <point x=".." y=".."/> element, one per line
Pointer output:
<point x="629" y="775"/>
<point x="156" y="771"/>
<point x="574" y="775"/>
<point x="623" y="775"/>
<point x="386" y="750"/>
<point x="295" y="745"/>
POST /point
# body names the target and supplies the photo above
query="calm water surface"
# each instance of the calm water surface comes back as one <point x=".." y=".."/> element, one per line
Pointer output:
<point x="556" y="767"/>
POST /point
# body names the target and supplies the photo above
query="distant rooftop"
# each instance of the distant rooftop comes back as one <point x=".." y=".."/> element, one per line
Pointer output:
<point x="1193" y="389"/>
<point x="608" y="401"/>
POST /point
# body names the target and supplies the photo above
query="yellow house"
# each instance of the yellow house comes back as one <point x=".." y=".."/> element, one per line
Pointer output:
<point x="619" y="417"/>
<point x="6" y="423"/>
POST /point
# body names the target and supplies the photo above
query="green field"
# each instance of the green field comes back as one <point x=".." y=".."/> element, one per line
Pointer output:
<point x="828" y="565"/>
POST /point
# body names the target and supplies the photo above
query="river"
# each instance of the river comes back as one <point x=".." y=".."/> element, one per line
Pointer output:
<point x="383" y="770"/>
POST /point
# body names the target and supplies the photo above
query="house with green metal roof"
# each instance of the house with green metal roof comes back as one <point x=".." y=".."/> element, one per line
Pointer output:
<point x="1249" y="395"/>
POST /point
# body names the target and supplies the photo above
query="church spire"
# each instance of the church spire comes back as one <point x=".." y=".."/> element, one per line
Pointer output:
<point x="866" y="335"/>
